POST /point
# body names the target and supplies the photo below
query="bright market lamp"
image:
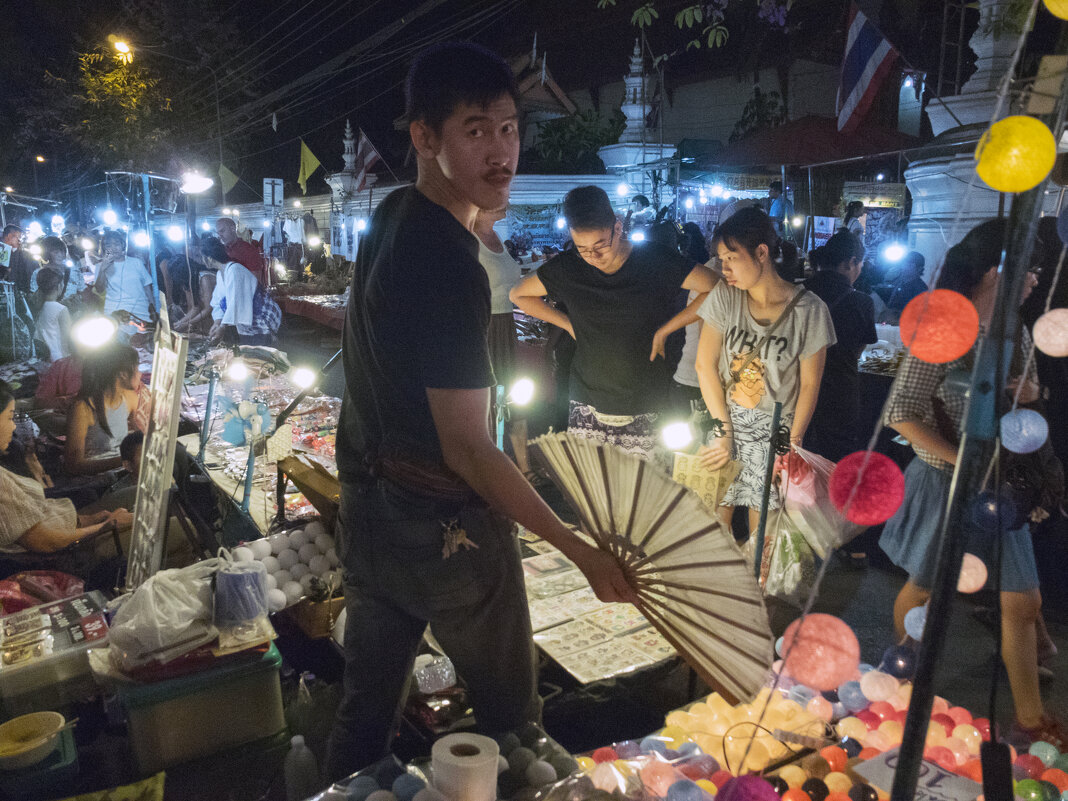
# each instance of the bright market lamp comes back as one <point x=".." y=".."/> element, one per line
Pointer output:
<point x="175" y="233"/>
<point x="303" y="377"/>
<point x="193" y="183"/>
<point x="93" y="332"/>
<point x="894" y="252"/>
<point x="522" y="392"/>
<point x="677" y="436"/>
<point x="238" y="370"/>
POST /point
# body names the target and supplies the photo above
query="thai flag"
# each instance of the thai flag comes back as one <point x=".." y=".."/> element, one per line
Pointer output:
<point x="868" y="58"/>
<point x="366" y="158"/>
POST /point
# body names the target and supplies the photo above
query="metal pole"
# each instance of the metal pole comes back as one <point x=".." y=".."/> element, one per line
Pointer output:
<point x="769" y="474"/>
<point x="500" y="410"/>
<point x="976" y="448"/>
<point x="218" y="123"/>
<point x="250" y="468"/>
<point x="205" y="424"/>
<point x="145" y="186"/>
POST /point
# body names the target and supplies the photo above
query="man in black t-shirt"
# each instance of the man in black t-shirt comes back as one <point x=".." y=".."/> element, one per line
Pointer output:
<point x="619" y="311"/>
<point x="833" y="432"/>
<point x="427" y="499"/>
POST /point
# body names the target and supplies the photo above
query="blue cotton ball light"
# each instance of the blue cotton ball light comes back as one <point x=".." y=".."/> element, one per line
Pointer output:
<point x="852" y="697"/>
<point x="1023" y="430"/>
<point x="406" y="786"/>
<point x="915" y="620"/>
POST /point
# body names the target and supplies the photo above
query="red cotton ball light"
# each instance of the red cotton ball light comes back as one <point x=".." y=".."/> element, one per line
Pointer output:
<point x="880" y="488"/>
<point x="825" y="654"/>
<point x="939" y="326"/>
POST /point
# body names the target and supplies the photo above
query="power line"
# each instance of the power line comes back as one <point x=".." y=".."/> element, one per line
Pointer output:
<point x="506" y="5"/>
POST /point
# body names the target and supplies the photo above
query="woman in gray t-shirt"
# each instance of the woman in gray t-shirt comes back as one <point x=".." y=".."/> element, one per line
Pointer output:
<point x="787" y="367"/>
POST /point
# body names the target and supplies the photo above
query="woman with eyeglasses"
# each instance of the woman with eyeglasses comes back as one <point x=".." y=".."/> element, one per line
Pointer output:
<point x="619" y="300"/>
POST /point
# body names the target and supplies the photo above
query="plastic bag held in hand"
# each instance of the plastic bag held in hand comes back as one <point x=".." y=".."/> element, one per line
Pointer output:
<point x="797" y="477"/>
<point x="167" y="616"/>
<point x="804" y="479"/>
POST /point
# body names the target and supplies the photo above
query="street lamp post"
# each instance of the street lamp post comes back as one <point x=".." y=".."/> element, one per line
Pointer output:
<point x="125" y="50"/>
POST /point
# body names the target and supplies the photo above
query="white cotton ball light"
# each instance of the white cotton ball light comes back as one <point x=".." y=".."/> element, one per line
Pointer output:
<point x="319" y="565"/>
<point x="272" y="582"/>
<point x="1051" y="333"/>
<point x="276" y="600"/>
<point x="324" y="542"/>
<point x="282" y="577"/>
<point x="314" y="529"/>
<point x="308" y="551"/>
<point x="288" y="558"/>
<point x="243" y="554"/>
<point x="279" y="542"/>
<point x="331" y="556"/>
<point x="260" y="549"/>
<point x="270" y="564"/>
<point x="297" y="539"/>
<point x="294" y="591"/>
<point x="298" y="571"/>
<point x="306" y="580"/>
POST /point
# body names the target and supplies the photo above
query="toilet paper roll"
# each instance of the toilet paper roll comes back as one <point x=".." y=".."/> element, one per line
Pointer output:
<point x="465" y="767"/>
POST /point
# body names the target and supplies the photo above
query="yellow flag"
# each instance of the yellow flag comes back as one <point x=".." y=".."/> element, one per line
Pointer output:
<point x="308" y="165"/>
<point x="227" y="178"/>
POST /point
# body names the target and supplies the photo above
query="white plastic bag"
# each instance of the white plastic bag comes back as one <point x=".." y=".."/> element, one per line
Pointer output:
<point x="788" y="566"/>
<point x="803" y="480"/>
<point x="167" y="616"/>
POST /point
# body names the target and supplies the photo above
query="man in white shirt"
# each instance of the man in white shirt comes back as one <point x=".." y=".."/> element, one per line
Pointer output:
<point x="126" y="282"/>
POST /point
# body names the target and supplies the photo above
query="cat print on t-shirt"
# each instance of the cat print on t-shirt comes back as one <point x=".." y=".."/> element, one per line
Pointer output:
<point x="750" y="387"/>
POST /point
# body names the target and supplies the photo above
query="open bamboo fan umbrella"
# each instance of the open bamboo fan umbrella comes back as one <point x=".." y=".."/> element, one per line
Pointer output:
<point x="691" y="579"/>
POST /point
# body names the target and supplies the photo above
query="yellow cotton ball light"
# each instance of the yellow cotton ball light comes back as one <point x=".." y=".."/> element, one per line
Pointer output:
<point x="1015" y="154"/>
<point x="708" y="786"/>
<point x="1058" y="8"/>
<point x="793" y="775"/>
<point x="673" y="736"/>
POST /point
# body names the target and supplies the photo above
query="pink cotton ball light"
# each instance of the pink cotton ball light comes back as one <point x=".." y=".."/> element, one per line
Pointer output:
<point x="1051" y="333"/>
<point x="825" y="654"/>
<point x="880" y="488"/>
<point x="972" y="574"/>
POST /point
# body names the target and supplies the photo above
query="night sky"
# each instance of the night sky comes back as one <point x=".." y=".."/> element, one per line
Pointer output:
<point x="276" y="42"/>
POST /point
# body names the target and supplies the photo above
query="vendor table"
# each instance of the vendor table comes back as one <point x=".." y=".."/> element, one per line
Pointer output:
<point x="328" y="310"/>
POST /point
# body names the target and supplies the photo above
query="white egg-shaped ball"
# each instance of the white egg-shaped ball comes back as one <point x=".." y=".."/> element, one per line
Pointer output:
<point x="314" y="529"/>
<point x="282" y="577"/>
<point x="288" y="558"/>
<point x="293" y="590"/>
<point x="276" y="600"/>
<point x="272" y="582"/>
<point x="298" y="571"/>
<point x="324" y="542"/>
<point x="260" y="549"/>
<point x="331" y="555"/>
<point x="270" y="564"/>
<point x="279" y="542"/>
<point x="308" y="551"/>
<point x="297" y="539"/>
<point x="243" y="554"/>
<point x="319" y="565"/>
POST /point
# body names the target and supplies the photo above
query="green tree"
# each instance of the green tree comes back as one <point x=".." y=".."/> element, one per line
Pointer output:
<point x="763" y="110"/>
<point x="569" y="145"/>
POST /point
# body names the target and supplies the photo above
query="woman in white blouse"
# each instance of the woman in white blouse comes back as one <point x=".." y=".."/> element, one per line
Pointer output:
<point x="238" y="302"/>
<point x="32" y="522"/>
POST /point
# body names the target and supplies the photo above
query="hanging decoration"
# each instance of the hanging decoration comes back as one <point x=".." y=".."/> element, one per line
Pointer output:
<point x="973" y="574"/>
<point x="1023" y="430"/>
<point x="870" y="484"/>
<point x="1051" y="333"/>
<point x="821" y="650"/>
<point x="939" y="326"/>
<point x="1015" y="154"/>
<point x="1058" y="8"/>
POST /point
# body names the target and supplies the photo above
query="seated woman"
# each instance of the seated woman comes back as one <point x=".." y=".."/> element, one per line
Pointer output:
<point x="241" y="307"/>
<point x="31" y="521"/>
<point x="99" y="417"/>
